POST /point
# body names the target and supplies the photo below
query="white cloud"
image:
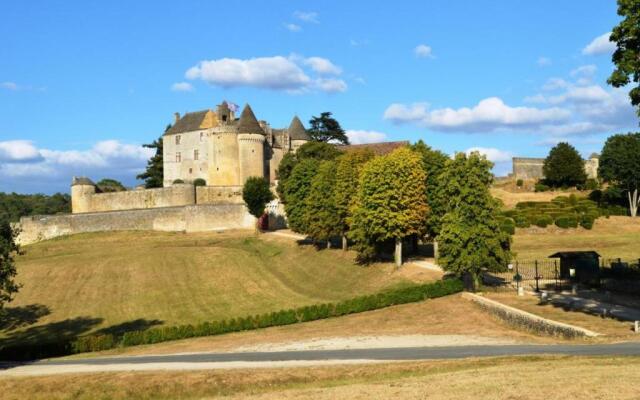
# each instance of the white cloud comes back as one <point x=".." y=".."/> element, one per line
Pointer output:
<point x="307" y="16"/>
<point x="275" y="73"/>
<point x="331" y="85"/>
<point x="489" y="115"/>
<point x="9" y="85"/>
<point x="600" y="45"/>
<point x="323" y="66"/>
<point x="293" y="27"/>
<point x="555" y="83"/>
<point x="543" y="61"/>
<point x="492" y="154"/>
<point x="423" y="51"/>
<point x="18" y="151"/>
<point x="182" y="87"/>
<point x="52" y="170"/>
<point x="363" y="136"/>
<point x="264" y="72"/>
<point x="584" y="70"/>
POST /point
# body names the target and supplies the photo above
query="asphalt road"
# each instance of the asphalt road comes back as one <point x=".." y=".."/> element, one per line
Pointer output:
<point x="399" y="354"/>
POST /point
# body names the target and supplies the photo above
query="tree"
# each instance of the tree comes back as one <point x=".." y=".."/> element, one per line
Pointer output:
<point x="296" y="191"/>
<point x="256" y="194"/>
<point x="107" y="185"/>
<point x="620" y="166"/>
<point x="153" y="176"/>
<point x="326" y="129"/>
<point x="310" y="150"/>
<point x="391" y="202"/>
<point x="8" y="249"/>
<point x="322" y="222"/>
<point x="470" y="239"/>
<point x="433" y="162"/>
<point x="564" y="166"/>
<point x="626" y="58"/>
<point x="348" y="169"/>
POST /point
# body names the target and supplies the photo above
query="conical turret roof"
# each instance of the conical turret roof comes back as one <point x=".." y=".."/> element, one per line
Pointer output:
<point x="248" y="122"/>
<point x="297" y="131"/>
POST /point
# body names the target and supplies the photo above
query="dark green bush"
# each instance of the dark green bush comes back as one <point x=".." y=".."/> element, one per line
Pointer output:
<point x="543" y="221"/>
<point x="522" y="221"/>
<point x="541" y="187"/>
<point x="586" y="221"/>
<point x="199" y="182"/>
<point x="508" y="225"/>
<point x="178" y="181"/>
<point x="519" y="183"/>
<point x="567" y="221"/>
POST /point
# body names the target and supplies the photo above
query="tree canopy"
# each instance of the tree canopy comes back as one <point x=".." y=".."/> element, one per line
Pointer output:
<point x="153" y="176"/>
<point x="626" y="58"/>
<point x="322" y="221"/>
<point x="13" y="205"/>
<point x="296" y="190"/>
<point x="8" y="249"/>
<point x="620" y="165"/>
<point x="348" y="169"/>
<point x="107" y="185"/>
<point x="433" y="163"/>
<point x="470" y="238"/>
<point x="564" y="166"/>
<point x="256" y="194"/>
<point x="326" y="129"/>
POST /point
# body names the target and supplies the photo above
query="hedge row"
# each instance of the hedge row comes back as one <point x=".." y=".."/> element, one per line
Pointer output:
<point x="284" y="317"/>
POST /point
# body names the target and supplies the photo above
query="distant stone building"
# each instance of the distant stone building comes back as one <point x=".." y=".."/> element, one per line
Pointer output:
<point x="225" y="151"/>
<point x="531" y="168"/>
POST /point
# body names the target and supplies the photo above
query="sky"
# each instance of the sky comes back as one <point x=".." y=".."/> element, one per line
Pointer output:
<point x="83" y="84"/>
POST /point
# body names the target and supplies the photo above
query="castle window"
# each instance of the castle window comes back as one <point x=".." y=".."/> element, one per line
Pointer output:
<point x="196" y="153"/>
<point x="178" y="157"/>
<point x="178" y="139"/>
<point x="224" y="118"/>
<point x="201" y="136"/>
<point x="190" y="170"/>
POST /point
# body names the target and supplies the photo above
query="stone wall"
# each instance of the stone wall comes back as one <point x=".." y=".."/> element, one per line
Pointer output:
<point x="219" y="195"/>
<point x="193" y="218"/>
<point x="528" y="168"/>
<point x="176" y="195"/>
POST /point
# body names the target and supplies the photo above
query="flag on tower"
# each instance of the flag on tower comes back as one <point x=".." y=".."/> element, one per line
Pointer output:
<point x="232" y="106"/>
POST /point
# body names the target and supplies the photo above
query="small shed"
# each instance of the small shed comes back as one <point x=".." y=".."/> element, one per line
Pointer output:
<point x="586" y="265"/>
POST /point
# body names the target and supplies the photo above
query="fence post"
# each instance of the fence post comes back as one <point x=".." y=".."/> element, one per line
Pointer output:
<point x="517" y="280"/>
<point x="555" y="265"/>
<point x="537" y="278"/>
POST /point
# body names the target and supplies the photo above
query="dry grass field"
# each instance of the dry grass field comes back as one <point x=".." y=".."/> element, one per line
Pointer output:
<point x="522" y="378"/>
<point x="611" y="237"/>
<point x="131" y="280"/>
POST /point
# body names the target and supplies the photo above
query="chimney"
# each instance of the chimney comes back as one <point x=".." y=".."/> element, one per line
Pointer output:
<point x="176" y="117"/>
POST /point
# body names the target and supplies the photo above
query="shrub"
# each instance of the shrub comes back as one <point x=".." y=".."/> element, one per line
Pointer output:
<point x="522" y="221"/>
<point x="178" y="181"/>
<point x="508" y="225"/>
<point x="519" y="183"/>
<point x="567" y="221"/>
<point x="543" y="221"/>
<point x="540" y="187"/>
<point x="199" y="182"/>
<point x="586" y="221"/>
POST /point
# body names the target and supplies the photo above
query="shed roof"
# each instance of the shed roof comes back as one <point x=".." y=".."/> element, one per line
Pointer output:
<point x="573" y="254"/>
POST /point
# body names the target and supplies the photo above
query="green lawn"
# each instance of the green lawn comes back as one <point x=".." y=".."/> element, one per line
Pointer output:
<point x="124" y="280"/>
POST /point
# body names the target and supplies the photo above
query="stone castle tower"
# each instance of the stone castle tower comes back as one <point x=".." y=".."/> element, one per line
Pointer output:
<point x="225" y="151"/>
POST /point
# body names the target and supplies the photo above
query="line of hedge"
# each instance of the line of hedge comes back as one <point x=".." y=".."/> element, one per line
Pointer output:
<point x="360" y="304"/>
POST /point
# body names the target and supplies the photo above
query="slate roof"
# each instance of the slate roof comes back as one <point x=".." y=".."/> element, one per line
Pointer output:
<point x="574" y="254"/>
<point x="188" y="123"/>
<point x="297" y="131"/>
<point x="378" y="149"/>
<point x="248" y="122"/>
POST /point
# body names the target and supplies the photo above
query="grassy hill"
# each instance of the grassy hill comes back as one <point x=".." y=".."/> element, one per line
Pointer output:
<point x="125" y="280"/>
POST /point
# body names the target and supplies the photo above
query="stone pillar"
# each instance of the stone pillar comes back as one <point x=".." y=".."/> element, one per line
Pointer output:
<point x="398" y="252"/>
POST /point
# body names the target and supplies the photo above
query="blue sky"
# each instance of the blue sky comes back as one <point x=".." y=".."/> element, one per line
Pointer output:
<point x="83" y="84"/>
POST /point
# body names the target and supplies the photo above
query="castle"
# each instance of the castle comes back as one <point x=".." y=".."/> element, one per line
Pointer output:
<point x="225" y="151"/>
<point x="531" y="168"/>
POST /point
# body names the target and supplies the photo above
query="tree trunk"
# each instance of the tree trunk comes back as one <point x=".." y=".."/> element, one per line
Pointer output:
<point x="436" y="254"/>
<point x="476" y="281"/>
<point x="398" y="254"/>
<point x="328" y="243"/>
<point x="634" y="202"/>
<point x="344" y="242"/>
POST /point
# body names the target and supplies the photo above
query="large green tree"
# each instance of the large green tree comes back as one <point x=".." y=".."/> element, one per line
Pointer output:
<point x="349" y="167"/>
<point x="256" y="194"/>
<point x="564" y="166"/>
<point x="626" y="58"/>
<point x="470" y="239"/>
<point x="153" y="176"/>
<point x="310" y="150"/>
<point x="8" y="249"/>
<point x="325" y="128"/>
<point x="322" y="222"/>
<point x="13" y="205"/>
<point x="296" y="191"/>
<point x="620" y="166"/>
<point x="108" y="185"/>
<point x="391" y="202"/>
<point x="433" y="162"/>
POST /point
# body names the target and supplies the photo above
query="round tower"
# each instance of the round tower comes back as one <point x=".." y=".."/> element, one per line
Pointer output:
<point x="81" y="191"/>
<point x="297" y="134"/>
<point x="251" y="140"/>
<point x="224" y="168"/>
